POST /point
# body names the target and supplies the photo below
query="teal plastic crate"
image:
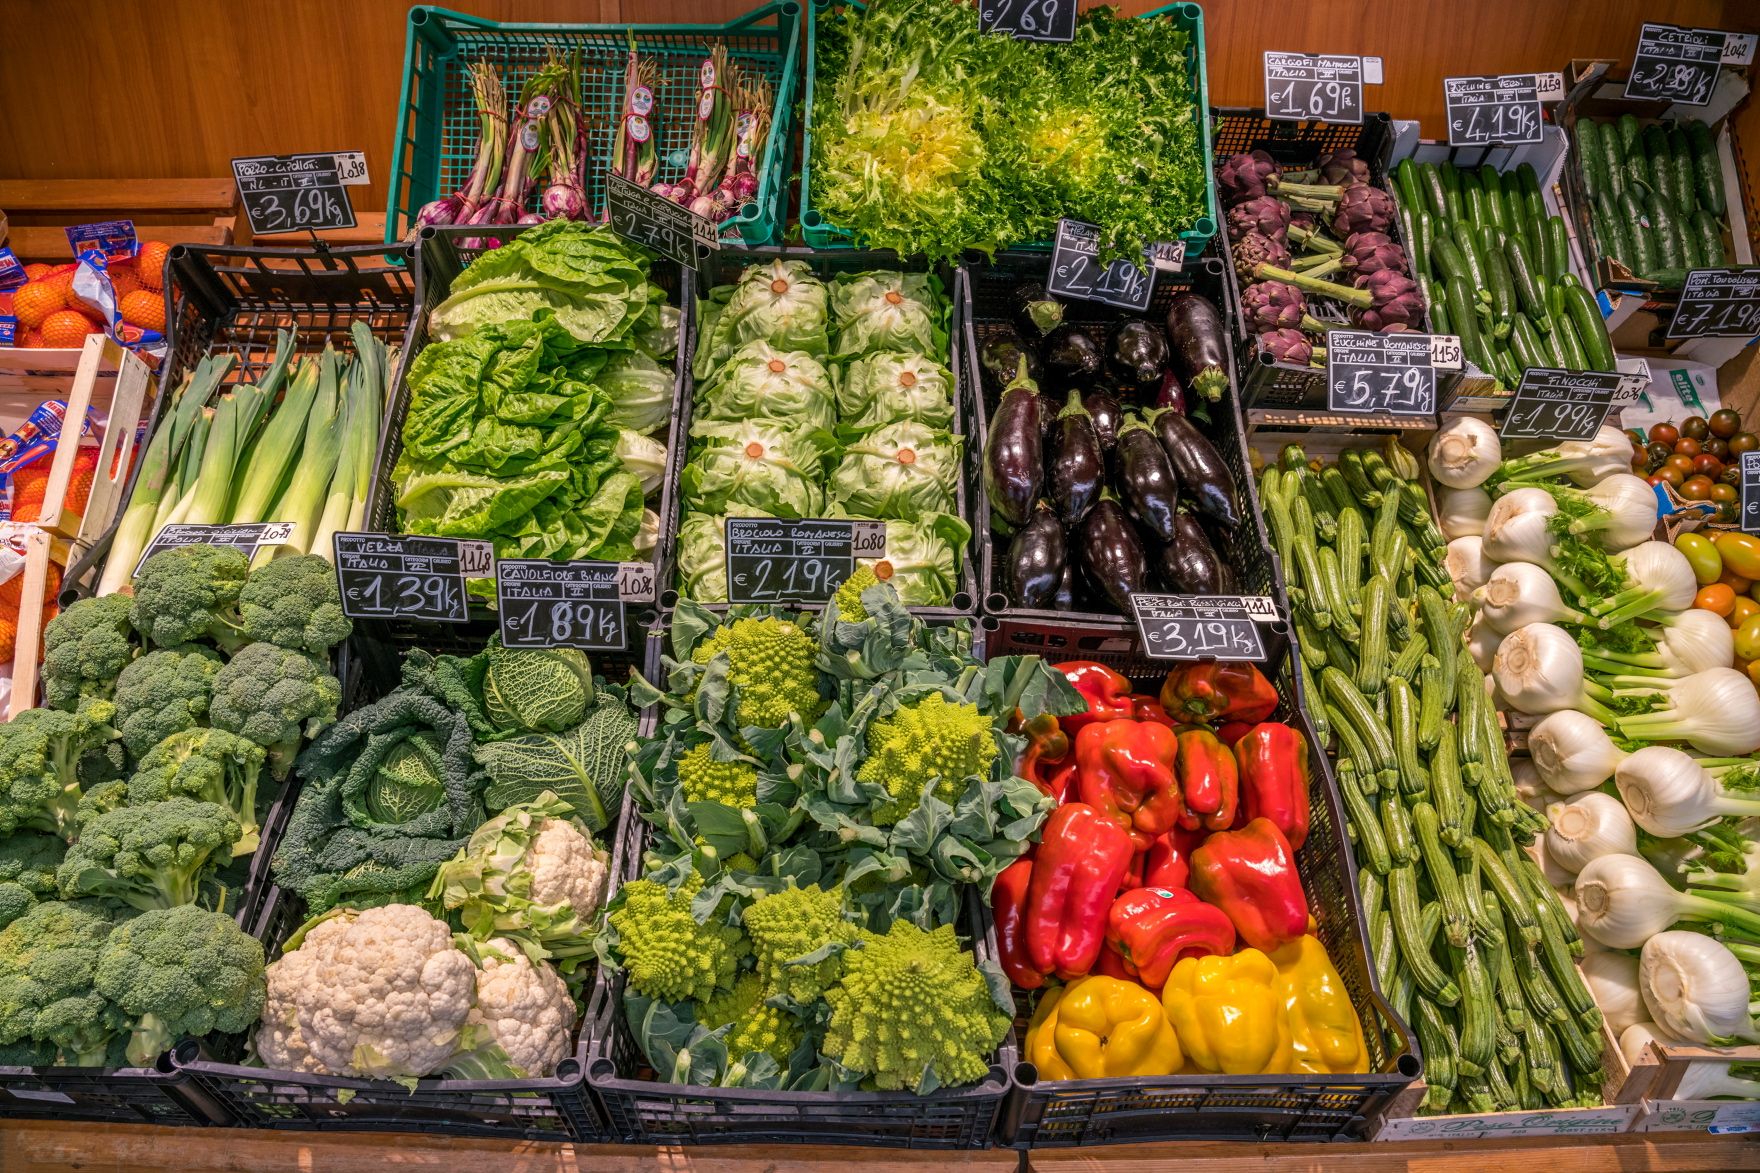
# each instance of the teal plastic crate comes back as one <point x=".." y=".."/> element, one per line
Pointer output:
<point x="437" y="124"/>
<point x="821" y="233"/>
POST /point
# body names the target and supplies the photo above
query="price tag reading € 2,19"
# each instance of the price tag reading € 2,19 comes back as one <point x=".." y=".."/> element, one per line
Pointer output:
<point x="544" y="604"/>
<point x="403" y="576"/>
<point x="1076" y="271"/>
<point x="773" y="560"/>
<point x="1203" y="627"/>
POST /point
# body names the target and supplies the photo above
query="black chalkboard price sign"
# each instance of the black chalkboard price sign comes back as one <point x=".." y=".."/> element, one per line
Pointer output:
<point x="1560" y="405"/>
<point x="245" y="538"/>
<point x="401" y="576"/>
<point x="1203" y="627"/>
<point x="1674" y="64"/>
<point x="1029" y="20"/>
<point x="299" y="193"/>
<point x="1751" y="492"/>
<point x="774" y="560"/>
<point x="1718" y="303"/>
<point x="1495" y="110"/>
<point x="544" y="604"/>
<point x="655" y="222"/>
<point x="1369" y="373"/>
<point x="1076" y="270"/>
<point x="1304" y="86"/>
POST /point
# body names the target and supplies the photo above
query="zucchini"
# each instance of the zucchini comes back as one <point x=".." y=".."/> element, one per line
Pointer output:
<point x="1402" y="718"/>
<point x="1478" y="1009"/>
<point x="1467" y="239"/>
<point x="1423" y="227"/>
<point x="1491" y="183"/>
<point x="1473" y="196"/>
<point x="1526" y="343"/>
<point x="1585" y="316"/>
<point x="1680" y="159"/>
<point x="1396" y="821"/>
<point x="1446" y="258"/>
<point x="1688" y="237"/>
<point x="1332" y="480"/>
<point x="1405" y="665"/>
<point x="1710" y="234"/>
<point x="1351" y="541"/>
<point x="1437" y="1044"/>
<point x="1533" y="211"/>
<point x="1707" y="170"/>
<point x="1430" y="181"/>
<point x="1371" y="675"/>
<point x="1404" y="908"/>
<point x="1350" y="706"/>
<point x="1509" y="894"/>
<point x="1549" y="338"/>
<point x="1446" y="794"/>
<point x="1556" y="248"/>
<point x="1525" y="276"/>
<point x="1460" y="301"/>
<point x="1434" y="302"/>
<point x="1498" y="282"/>
<point x="1332" y="588"/>
<point x="1454" y="206"/>
<point x="1405" y="177"/>
<point x="1570" y="346"/>
<point x="1362" y="823"/>
<point x="1644" y="253"/>
<point x="1589" y="160"/>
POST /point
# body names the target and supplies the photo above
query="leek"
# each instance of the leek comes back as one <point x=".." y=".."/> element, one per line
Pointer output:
<point x="303" y="502"/>
<point x="360" y="432"/>
<point x="276" y="449"/>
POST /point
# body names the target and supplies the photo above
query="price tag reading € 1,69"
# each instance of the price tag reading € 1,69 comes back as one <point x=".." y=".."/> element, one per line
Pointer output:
<point x="1751" y="492"/>
<point x="401" y="576"/>
<point x="1676" y="64"/>
<point x="656" y="222"/>
<point x="1718" y="303"/>
<point x="546" y="604"/>
<point x="1076" y="270"/>
<point x="1485" y="110"/>
<point x="298" y="193"/>
<point x="1369" y="373"/>
<point x="245" y="538"/>
<point x="1300" y="87"/>
<point x="1560" y="405"/>
<point x="1203" y="627"/>
<point x="1029" y="20"/>
<point x="782" y="561"/>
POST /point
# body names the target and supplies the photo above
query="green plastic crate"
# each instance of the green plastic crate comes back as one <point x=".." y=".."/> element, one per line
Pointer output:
<point x="437" y="125"/>
<point x="821" y="233"/>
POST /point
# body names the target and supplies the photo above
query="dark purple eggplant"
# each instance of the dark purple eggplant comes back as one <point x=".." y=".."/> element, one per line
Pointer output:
<point x="1172" y="393"/>
<point x="1036" y="559"/>
<point x="1002" y="352"/>
<point x="1035" y="312"/>
<point x="1049" y="406"/>
<point x="1112" y="555"/>
<point x="1104" y="407"/>
<point x="1202" y="474"/>
<point x="1014" y="450"/>
<point x="1200" y="350"/>
<point x="1071" y="356"/>
<point x="1065" y="599"/>
<point x="1136" y="353"/>
<point x="1146" y="478"/>
<point x="1077" y="466"/>
<point x="1189" y="563"/>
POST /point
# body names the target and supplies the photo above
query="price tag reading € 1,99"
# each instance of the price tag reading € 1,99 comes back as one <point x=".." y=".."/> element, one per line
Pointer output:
<point x="1560" y="405"/>
<point x="1369" y="373"/>
<point x="1301" y="87"/>
<point x="1203" y="627"/>
<point x="402" y="576"/>
<point x="245" y="538"/>
<point x="544" y="604"/>
<point x="773" y="560"/>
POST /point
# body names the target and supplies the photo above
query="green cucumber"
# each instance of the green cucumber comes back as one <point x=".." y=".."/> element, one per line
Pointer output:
<point x="1589" y="160"/>
<point x="1613" y="165"/>
<point x="1656" y="156"/>
<point x="1710" y="234"/>
<point x="1628" y="133"/>
<point x="1707" y="169"/>
<point x="1644" y="250"/>
<point x="1669" y="253"/>
<point x="1680" y="158"/>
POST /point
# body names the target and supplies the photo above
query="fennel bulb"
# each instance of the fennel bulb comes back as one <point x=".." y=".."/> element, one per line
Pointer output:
<point x="1618" y="512"/>
<point x="1670" y="794"/>
<point x="1693" y="641"/>
<point x="1462" y="512"/>
<point x="1530" y="786"/>
<point x="1539" y="669"/>
<point x="1717" y="711"/>
<point x="1573" y="752"/>
<point x="1622" y="902"/>
<point x="1584" y="462"/>
<point x="1613" y="979"/>
<point x="1589" y="826"/>
<point x="1518" y="527"/>
<point x="1661" y="580"/>
<point x="1696" y="988"/>
<point x="1464" y="453"/>
<point x="1467" y="565"/>
<point x="1520" y="593"/>
<point x="1483" y="641"/>
<point x="1705" y="1079"/>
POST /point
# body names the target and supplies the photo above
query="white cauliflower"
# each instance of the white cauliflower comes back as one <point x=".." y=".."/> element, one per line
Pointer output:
<point x="568" y="868"/>
<point x="279" y="1042"/>
<point x="525" y="1008"/>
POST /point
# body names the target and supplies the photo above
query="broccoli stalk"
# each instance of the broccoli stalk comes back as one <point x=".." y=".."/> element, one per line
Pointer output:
<point x="272" y="696"/>
<point x="150" y="856"/>
<point x="208" y="765"/>
<point x="180" y="971"/>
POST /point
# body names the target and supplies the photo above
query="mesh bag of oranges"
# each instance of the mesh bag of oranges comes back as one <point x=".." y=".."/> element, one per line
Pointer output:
<point x="52" y="316"/>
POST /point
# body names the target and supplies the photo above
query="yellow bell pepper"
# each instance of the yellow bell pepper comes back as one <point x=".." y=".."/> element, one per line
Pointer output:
<point x="1228" y="1013"/>
<point x="1100" y="1028"/>
<point x="1327" y="1036"/>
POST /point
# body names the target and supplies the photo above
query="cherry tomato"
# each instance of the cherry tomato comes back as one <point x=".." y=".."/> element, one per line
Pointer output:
<point x="1740" y="552"/>
<point x="1696" y="427"/>
<point x="1748" y="638"/>
<point x="1726" y="422"/>
<point x="1717" y="447"/>
<point x="1716" y="598"/>
<point x="1657" y="453"/>
<point x="1667" y="476"/>
<point x="1696" y="488"/>
<point x="1664" y="434"/>
<point x="1753" y="671"/>
<point x="1701" y="555"/>
<point x="1688" y="446"/>
<point x="1731" y="475"/>
<point x="1723" y="494"/>
<point x="1734" y="581"/>
<point x="1707" y="465"/>
<point x="1680" y="461"/>
<point x="1745" y="609"/>
<point x="1743" y="442"/>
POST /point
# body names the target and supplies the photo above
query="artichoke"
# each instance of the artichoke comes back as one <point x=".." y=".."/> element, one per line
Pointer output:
<point x="1396" y="301"/>
<point x="1343" y="167"/>
<point x="1266" y="214"/>
<point x="1273" y="305"/>
<point x="1255" y="249"/>
<point x="1288" y="346"/>
<point x="1362" y="209"/>
<point x="1250" y="176"/>
<point x="1372" y="252"/>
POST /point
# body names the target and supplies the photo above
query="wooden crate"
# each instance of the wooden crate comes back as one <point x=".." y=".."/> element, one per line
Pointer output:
<point x="176" y="211"/>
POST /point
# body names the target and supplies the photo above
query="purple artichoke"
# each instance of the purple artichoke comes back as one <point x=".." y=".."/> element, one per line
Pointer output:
<point x="1273" y="305"/>
<point x="1290" y="346"/>
<point x="1395" y="300"/>
<point x="1250" y="176"/>
<point x="1343" y="167"/>
<point x="1372" y="252"/>
<point x="1361" y="298"/>
<point x="1255" y="249"/>
<point x="1362" y="209"/>
<point x="1267" y="215"/>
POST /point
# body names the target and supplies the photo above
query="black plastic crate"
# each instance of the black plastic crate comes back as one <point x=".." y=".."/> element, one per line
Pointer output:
<point x="1246" y="1107"/>
<point x="724" y="268"/>
<point x="1107" y="637"/>
<point x="127" y="1096"/>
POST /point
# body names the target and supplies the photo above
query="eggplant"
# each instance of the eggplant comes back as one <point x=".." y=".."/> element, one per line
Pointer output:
<point x="1172" y="393"/>
<point x="1049" y="407"/>
<point x="1037" y="558"/>
<point x="1014" y="450"/>
<point x="1199" y="466"/>
<point x="1136" y="353"/>
<point x="1077" y="466"/>
<point x="1189" y="563"/>
<point x="1112" y="555"/>
<point x="1002" y="352"/>
<point x="1035" y="313"/>
<point x="1146" y="478"/>
<point x="1071" y="356"/>
<point x="1104" y="407"/>
<point x="1200" y="349"/>
<point x="1065" y="599"/>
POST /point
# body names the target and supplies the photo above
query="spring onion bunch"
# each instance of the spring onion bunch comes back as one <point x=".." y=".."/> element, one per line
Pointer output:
<point x="461" y="205"/>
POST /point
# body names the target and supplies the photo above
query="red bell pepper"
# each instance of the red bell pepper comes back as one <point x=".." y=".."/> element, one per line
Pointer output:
<point x="1209" y="782"/>
<point x="1152" y="928"/>
<point x="1077" y="867"/>
<point x="1273" y="760"/>
<point x="1110" y="964"/>
<point x="1046" y="762"/>
<point x="1108" y="694"/>
<point x="1250" y="874"/>
<point x="1230" y="732"/>
<point x="1215" y="691"/>
<point x="1008" y="905"/>
<point x="1167" y="863"/>
<point x="1148" y="708"/>
<point x="1125" y="769"/>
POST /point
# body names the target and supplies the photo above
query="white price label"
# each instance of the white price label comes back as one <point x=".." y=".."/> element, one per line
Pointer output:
<point x="1445" y="351"/>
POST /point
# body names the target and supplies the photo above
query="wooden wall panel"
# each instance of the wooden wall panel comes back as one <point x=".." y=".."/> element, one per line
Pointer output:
<point x="94" y="89"/>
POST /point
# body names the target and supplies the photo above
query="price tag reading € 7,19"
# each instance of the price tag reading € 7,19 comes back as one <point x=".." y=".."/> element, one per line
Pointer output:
<point x="1203" y="627"/>
<point x="402" y="576"/>
<point x="773" y="560"/>
<point x="544" y="604"/>
<point x="1372" y="374"/>
<point x="1718" y="303"/>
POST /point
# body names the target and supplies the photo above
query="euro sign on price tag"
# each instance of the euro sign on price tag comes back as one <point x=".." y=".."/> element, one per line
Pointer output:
<point x="1674" y="64"/>
<point x="776" y="560"/>
<point x="1375" y="374"/>
<point x="1076" y="272"/>
<point x="245" y="538"/>
<point x="1483" y="111"/>
<point x="1718" y="303"/>
<point x="403" y="576"/>
<point x="1303" y="87"/>
<point x="1203" y="627"/>
<point x="298" y="193"/>
<point x="1029" y="20"/>
<point x="655" y="222"/>
<point x="544" y="604"/>
<point x="1751" y="492"/>
<point x="1560" y="405"/>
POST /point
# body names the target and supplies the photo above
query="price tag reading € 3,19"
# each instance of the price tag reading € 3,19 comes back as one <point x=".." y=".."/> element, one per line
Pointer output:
<point x="544" y="604"/>
<point x="773" y="560"/>
<point x="1203" y="627"/>
<point x="402" y="576"/>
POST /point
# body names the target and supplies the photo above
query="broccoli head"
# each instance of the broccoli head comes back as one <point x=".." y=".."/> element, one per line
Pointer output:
<point x="756" y="1027"/>
<point x="48" y="958"/>
<point x="848" y="598"/>
<point x="208" y="765"/>
<point x="271" y="695"/>
<point x="85" y="648"/>
<point x="667" y="953"/>
<point x="770" y="663"/>
<point x="792" y="923"/>
<point x="188" y="593"/>
<point x="703" y="779"/>
<point x="928" y="743"/>
<point x="911" y="1003"/>
<point x="41" y="756"/>
<point x="154" y="855"/>
<point x="180" y="971"/>
<point x="164" y="692"/>
<point x="27" y="872"/>
<point x="294" y="602"/>
<point x="98" y="800"/>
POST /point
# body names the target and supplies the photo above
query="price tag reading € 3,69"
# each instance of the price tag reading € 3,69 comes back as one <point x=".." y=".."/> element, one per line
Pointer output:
<point x="299" y="193"/>
<point x="805" y="561"/>
<point x="245" y="538"/>
<point x="1560" y="405"/>
<point x="1203" y="627"/>
<point x="1372" y="374"/>
<point x="1029" y="20"/>
<point x="546" y="604"/>
<point x="1076" y="270"/>
<point x="656" y="222"/>
<point x="1302" y="86"/>
<point x="1503" y="110"/>
<point x="401" y="576"/>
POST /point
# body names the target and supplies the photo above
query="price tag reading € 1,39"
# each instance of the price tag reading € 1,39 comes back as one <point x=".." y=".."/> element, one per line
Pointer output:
<point x="1203" y="627"/>
<point x="1674" y="64"/>
<point x="656" y="222"/>
<point x="1560" y="405"/>
<point x="1029" y="20"/>
<point x="1369" y="373"/>
<point x="546" y="604"/>
<point x="1300" y="87"/>
<point x="1503" y="110"/>
<point x="1751" y="492"/>
<point x="1076" y="271"/>
<point x="1718" y="303"/>
<point x="773" y="560"/>
<point x="298" y="193"/>
<point x="402" y="576"/>
<point x="245" y="538"/>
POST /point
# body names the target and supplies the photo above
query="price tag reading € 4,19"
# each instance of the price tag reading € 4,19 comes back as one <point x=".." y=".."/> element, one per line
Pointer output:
<point x="773" y="560"/>
<point x="1372" y="374"/>
<point x="402" y="576"/>
<point x="299" y="193"/>
<point x="546" y="604"/>
<point x="1300" y="87"/>
<point x="1560" y="405"/>
<point x="1203" y="627"/>
<point x="245" y="538"/>
<point x="1497" y="110"/>
<point x="656" y="222"/>
<point x="1029" y="20"/>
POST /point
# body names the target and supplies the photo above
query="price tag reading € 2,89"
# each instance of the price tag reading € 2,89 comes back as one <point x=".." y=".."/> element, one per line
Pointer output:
<point x="403" y="576"/>
<point x="1674" y="64"/>
<point x="1203" y="627"/>
<point x="773" y="560"/>
<point x="544" y="604"/>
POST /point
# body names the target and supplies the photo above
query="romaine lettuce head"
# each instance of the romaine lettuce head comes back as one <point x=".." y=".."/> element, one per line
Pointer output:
<point x="902" y="471"/>
<point x="659" y="337"/>
<point x="883" y="310"/>
<point x="889" y="386"/>
<point x="759" y="381"/>
<point x="639" y="389"/>
<point x="781" y="303"/>
<point x="924" y="557"/>
<point x="765" y="464"/>
<point x="594" y="282"/>
<point x="642" y="457"/>
<point x="702" y="553"/>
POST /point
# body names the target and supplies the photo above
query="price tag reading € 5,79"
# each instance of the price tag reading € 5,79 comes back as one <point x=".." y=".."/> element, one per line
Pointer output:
<point x="546" y="604"/>
<point x="299" y="193"/>
<point x="402" y="576"/>
<point x="1203" y="627"/>
<point x="1076" y="271"/>
<point x="1372" y="374"/>
<point x="1674" y="64"/>
<point x="1751" y="492"/>
<point x="1560" y="405"/>
<point x="1029" y="20"/>
<point x="1718" y="303"/>
<point x="656" y="222"/>
<point x="1503" y="110"/>
<point x="245" y="538"/>
<point x="1300" y="87"/>
<point x="773" y="560"/>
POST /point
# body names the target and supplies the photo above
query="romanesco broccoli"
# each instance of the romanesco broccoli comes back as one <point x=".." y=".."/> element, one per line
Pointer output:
<point x="150" y="856"/>
<point x="756" y="1027"/>
<point x="208" y="765"/>
<point x="911" y="1003"/>
<point x="930" y="742"/>
<point x="164" y="692"/>
<point x="793" y="923"/>
<point x="180" y="971"/>
<point x="272" y="695"/>
<point x="667" y="953"/>
<point x="188" y="593"/>
<point x="849" y="596"/>
<point x="703" y="779"/>
<point x="85" y="648"/>
<point x="42" y="754"/>
<point x="770" y="663"/>
<point x="294" y="602"/>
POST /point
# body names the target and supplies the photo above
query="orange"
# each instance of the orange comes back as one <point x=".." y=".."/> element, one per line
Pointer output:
<point x="36" y="270"/>
<point x="35" y="300"/>
<point x="65" y="329"/>
<point x="124" y="281"/>
<point x="149" y="263"/>
<point x="144" y="309"/>
<point x="28" y="340"/>
<point x="30" y="484"/>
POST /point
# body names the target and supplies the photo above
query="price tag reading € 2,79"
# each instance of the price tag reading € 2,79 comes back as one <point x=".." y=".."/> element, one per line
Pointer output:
<point x="1675" y="64"/>
<point x="1300" y="87"/>
<point x="1485" y="110"/>
<point x="773" y="560"/>
<point x="1029" y="20"/>
<point x="656" y="222"/>
<point x="1560" y="405"/>
<point x="1203" y="627"/>
<point x="245" y="538"/>
<point x="1718" y="303"/>
<point x="402" y="576"/>
<point x="1372" y="374"/>
<point x="1076" y="271"/>
<point x="546" y="604"/>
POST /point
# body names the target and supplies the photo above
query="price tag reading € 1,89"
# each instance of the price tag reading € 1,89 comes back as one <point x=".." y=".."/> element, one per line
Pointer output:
<point x="1369" y="373"/>
<point x="1076" y="271"/>
<point x="1203" y="627"/>
<point x="546" y="604"/>
<point x="773" y="560"/>
<point x="245" y="538"/>
<point x="1300" y="87"/>
<point x="1560" y="405"/>
<point x="402" y="576"/>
